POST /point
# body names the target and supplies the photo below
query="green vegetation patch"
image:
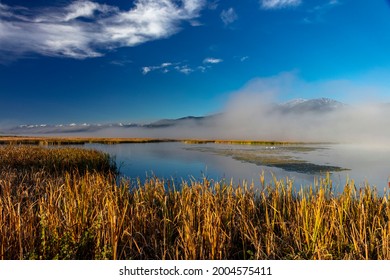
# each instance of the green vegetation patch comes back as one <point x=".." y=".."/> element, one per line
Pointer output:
<point x="288" y="163"/>
<point x="275" y="156"/>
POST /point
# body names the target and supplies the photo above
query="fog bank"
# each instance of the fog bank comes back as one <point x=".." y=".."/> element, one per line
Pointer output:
<point x="258" y="112"/>
<point x="261" y="110"/>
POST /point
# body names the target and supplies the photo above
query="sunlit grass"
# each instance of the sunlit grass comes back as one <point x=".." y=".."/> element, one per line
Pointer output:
<point x="58" y="160"/>
<point x="47" y="214"/>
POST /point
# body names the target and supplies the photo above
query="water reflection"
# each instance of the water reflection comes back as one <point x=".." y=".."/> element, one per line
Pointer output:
<point x="179" y="161"/>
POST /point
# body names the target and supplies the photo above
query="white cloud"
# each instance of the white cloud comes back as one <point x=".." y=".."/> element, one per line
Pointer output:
<point x="121" y="62"/>
<point x="213" y="5"/>
<point x="163" y="66"/>
<point x="181" y="67"/>
<point x="63" y="31"/>
<point x="84" y="9"/>
<point x="185" y="69"/>
<point x="228" y="16"/>
<point x="202" y="68"/>
<point x="167" y="67"/>
<point x="166" y="64"/>
<point x="146" y="70"/>
<point x="279" y="4"/>
<point x="242" y="59"/>
<point x="211" y="60"/>
<point x="326" y="6"/>
<point x="317" y="14"/>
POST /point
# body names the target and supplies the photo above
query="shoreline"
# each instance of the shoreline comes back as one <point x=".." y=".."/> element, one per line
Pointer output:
<point x="54" y="140"/>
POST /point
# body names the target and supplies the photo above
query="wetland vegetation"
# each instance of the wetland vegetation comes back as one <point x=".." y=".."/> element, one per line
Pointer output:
<point x="66" y="203"/>
<point x="275" y="156"/>
<point x="32" y="140"/>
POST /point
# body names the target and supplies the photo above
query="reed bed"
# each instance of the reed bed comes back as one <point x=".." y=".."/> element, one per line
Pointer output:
<point x="33" y="158"/>
<point x="46" y="214"/>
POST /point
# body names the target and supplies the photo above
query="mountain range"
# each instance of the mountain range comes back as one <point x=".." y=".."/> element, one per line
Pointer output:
<point x="296" y="106"/>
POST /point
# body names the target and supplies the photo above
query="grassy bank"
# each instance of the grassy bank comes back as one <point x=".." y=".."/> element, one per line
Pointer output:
<point x="49" y="141"/>
<point x="47" y="214"/>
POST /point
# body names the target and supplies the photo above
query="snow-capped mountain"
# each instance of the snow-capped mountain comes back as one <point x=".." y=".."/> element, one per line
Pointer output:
<point x="311" y="105"/>
<point x="294" y="102"/>
<point x="65" y="128"/>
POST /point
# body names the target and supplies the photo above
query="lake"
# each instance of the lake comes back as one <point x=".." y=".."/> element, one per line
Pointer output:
<point x="301" y="162"/>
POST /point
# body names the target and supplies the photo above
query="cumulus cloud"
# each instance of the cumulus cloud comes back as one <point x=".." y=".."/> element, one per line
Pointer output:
<point x="228" y="16"/>
<point x="279" y="4"/>
<point x="85" y="28"/>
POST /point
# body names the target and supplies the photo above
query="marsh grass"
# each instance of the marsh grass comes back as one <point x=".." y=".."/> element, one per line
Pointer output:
<point x="46" y="214"/>
<point x="45" y="141"/>
<point x="54" y="160"/>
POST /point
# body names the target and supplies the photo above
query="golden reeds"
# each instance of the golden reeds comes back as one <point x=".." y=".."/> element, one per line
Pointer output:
<point x="47" y="214"/>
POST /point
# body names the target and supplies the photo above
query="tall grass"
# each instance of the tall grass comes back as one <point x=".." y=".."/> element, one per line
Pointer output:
<point x="54" y="160"/>
<point x="45" y="214"/>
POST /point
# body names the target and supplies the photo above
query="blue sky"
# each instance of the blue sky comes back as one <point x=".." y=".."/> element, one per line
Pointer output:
<point x="95" y="61"/>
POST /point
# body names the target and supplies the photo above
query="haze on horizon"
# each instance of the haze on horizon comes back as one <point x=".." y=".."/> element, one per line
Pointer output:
<point x="84" y="61"/>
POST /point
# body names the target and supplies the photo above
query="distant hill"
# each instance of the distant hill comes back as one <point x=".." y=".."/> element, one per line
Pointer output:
<point x="180" y="121"/>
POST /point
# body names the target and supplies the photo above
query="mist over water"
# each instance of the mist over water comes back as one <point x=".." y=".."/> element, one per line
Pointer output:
<point x="353" y="124"/>
<point x="356" y="124"/>
<point x="252" y="113"/>
<point x="258" y="112"/>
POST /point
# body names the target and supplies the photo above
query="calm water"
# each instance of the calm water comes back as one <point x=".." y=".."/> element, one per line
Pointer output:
<point x="179" y="161"/>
